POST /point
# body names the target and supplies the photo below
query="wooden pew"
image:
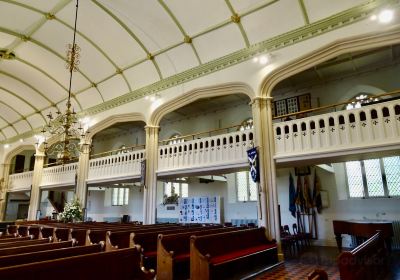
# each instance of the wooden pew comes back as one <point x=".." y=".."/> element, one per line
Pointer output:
<point x="173" y="253"/>
<point x="62" y="234"/>
<point x="81" y="236"/>
<point x="24" y="243"/>
<point x="35" y="231"/>
<point x="231" y="254"/>
<point x="148" y="242"/>
<point x="121" y="264"/>
<point x="318" y="274"/>
<point x="367" y="261"/>
<point x="47" y="232"/>
<point x="31" y="257"/>
<point x="12" y="230"/>
<point x="35" y="248"/>
<point x="23" y="230"/>
<point x="14" y="239"/>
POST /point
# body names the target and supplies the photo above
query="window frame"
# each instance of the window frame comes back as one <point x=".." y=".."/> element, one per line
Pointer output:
<point x="366" y="195"/>
<point x="125" y="198"/>
<point x="248" y="187"/>
<point x="173" y="187"/>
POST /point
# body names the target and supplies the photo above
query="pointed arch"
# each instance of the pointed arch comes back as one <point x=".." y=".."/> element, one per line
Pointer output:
<point x="196" y="94"/>
<point x="332" y="50"/>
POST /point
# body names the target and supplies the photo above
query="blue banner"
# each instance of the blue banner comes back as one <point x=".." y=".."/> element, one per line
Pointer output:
<point x="252" y="155"/>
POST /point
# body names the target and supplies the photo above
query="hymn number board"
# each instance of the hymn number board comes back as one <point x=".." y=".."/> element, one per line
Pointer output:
<point x="292" y="105"/>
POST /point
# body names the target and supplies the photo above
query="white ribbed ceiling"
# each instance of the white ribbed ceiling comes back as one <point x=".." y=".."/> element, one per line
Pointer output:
<point x="126" y="45"/>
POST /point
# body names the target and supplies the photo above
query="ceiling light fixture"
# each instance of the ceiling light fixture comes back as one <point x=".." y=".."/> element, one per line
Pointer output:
<point x="65" y="125"/>
<point x="386" y="16"/>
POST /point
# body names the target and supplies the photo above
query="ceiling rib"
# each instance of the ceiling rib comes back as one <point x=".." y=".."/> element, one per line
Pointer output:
<point x="36" y="110"/>
<point x="236" y="19"/>
<point x="8" y="125"/>
<point x="18" y="113"/>
<point x="149" y="55"/>
<point x="186" y="37"/>
<point x="42" y="45"/>
<point x="304" y="11"/>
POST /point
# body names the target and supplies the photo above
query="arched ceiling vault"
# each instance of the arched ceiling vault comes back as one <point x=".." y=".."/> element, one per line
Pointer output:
<point x="134" y="48"/>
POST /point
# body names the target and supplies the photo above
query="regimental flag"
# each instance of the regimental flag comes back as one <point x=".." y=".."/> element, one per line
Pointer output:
<point x="292" y="196"/>
<point x="299" y="195"/>
<point x="252" y="155"/>
<point x="316" y="196"/>
<point x="307" y="194"/>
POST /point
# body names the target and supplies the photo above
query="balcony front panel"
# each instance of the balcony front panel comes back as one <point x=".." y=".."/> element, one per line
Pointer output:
<point x="224" y="151"/>
<point x="20" y="181"/>
<point x="116" y="167"/>
<point x="59" y="176"/>
<point x="370" y="128"/>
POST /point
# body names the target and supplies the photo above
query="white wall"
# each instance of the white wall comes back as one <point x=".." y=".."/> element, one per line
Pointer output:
<point x="227" y="190"/>
<point x="98" y="208"/>
<point x="340" y="208"/>
<point x="206" y="121"/>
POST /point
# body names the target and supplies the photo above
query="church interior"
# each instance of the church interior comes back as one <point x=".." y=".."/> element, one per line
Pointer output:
<point x="214" y="139"/>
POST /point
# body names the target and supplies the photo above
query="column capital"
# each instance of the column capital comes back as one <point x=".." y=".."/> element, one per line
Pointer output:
<point x="152" y="128"/>
<point x="39" y="154"/>
<point x="260" y="100"/>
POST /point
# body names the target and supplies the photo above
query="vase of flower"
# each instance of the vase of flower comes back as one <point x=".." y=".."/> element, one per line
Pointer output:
<point x="72" y="212"/>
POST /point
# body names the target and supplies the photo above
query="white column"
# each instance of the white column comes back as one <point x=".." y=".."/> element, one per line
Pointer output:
<point x="82" y="174"/>
<point x="3" y="190"/>
<point x="35" y="190"/>
<point x="150" y="188"/>
<point x="264" y="139"/>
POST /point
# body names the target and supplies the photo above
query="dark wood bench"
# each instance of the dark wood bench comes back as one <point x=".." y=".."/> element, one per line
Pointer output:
<point x="62" y="234"/>
<point x="318" y="274"/>
<point x="12" y="230"/>
<point x="24" y="243"/>
<point x="31" y="257"/>
<point x="231" y="255"/>
<point x="148" y="242"/>
<point x="121" y="264"/>
<point x="14" y="239"/>
<point x="35" y="248"/>
<point x="81" y="236"/>
<point x="173" y="252"/>
<point x="367" y="261"/>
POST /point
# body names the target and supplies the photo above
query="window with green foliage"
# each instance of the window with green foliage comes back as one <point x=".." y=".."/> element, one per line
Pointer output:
<point x="374" y="177"/>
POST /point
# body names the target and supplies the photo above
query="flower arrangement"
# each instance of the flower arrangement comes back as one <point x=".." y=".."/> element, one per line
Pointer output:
<point x="72" y="211"/>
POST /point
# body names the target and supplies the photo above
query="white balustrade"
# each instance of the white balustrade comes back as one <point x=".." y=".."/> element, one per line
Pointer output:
<point x="121" y="166"/>
<point x="59" y="176"/>
<point x="366" y="127"/>
<point x="221" y="151"/>
<point x="20" y="181"/>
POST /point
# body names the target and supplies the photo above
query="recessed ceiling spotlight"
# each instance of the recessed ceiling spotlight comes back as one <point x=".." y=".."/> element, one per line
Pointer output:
<point x="6" y="146"/>
<point x="263" y="60"/>
<point x="386" y="16"/>
<point x="255" y="59"/>
<point x="21" y="140"/>
<point x="146" y="97"/>
<point x="373" y="17"/>
<point x="152" y="98"/>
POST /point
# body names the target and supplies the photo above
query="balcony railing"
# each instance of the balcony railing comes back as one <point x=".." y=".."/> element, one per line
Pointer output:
<point x="221" y="151"/>
<point x="20" y="181"/>
<point x="116" y="167"/>
<point x="59" y="176"/>
<point x="376" y="125"/>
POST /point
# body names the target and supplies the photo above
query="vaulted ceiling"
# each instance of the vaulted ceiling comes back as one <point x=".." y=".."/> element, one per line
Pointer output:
<point x="133" y="48"/>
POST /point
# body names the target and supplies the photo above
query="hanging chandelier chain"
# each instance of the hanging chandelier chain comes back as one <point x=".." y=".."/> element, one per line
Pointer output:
<point x="64" y="125"/>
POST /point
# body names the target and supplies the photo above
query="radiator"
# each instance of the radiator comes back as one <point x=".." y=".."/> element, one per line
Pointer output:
<point x="396" y="237"/>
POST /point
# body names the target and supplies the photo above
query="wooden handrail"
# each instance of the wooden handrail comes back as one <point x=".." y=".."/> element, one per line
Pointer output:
<point x="334" y="105"/>
<point x="117" y="150"/>
<point x="200" y="133"/>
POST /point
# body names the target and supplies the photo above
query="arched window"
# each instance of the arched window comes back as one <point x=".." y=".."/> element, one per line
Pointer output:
<point x="175" y="139"/>
<point x="362" y="98"/>
<point x="246" y="124"/>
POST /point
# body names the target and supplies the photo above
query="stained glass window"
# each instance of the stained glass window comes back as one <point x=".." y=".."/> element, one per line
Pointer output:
<point x="392" y="171"/>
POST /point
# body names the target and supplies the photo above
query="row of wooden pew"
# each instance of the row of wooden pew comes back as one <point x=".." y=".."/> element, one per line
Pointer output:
<point x="131" y="251"/>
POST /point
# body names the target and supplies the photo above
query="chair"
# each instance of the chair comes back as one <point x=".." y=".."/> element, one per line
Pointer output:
<point x="288" y="241"/>
<point x="303" y="236"/>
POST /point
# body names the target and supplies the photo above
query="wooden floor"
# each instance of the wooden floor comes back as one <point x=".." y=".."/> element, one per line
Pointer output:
<point x="296" y="268"/>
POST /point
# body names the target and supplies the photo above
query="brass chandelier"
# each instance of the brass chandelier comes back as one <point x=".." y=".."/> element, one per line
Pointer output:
<point x="66" y="126"/>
